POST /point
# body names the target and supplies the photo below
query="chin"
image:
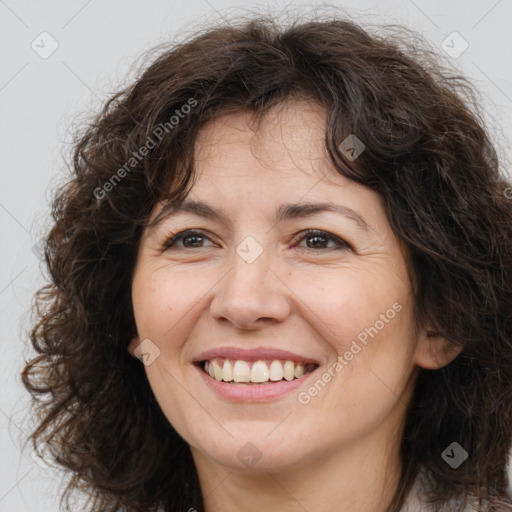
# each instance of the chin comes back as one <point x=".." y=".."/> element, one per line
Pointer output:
<point x="255" y="457"/>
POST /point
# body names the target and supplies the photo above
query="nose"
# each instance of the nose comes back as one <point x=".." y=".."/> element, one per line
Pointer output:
<point x="251" y="295"/>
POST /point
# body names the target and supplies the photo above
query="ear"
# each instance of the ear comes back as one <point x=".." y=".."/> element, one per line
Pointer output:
<point x="434" y="351"/>
<point x="134" y="343"/>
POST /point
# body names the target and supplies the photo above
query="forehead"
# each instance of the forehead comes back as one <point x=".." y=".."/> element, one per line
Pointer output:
<point x="274" y="166"/>
<point x="248" y="161"/>
<point x="287" y="141"/>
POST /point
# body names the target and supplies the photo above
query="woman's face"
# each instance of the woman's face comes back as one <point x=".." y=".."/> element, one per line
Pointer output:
<point x="251" y="288"/>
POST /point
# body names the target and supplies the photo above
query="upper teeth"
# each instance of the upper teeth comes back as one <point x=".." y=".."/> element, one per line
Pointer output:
<point x="258" y="371"/>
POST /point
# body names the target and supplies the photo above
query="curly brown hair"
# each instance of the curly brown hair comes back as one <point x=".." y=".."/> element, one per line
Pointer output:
<point x="429" y="156"/>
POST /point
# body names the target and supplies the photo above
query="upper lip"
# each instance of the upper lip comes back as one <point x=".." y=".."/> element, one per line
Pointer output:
<point x="254" y="354"/>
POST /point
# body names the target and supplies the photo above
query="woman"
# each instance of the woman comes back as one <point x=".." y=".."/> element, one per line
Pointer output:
<point x="281" y="278"/>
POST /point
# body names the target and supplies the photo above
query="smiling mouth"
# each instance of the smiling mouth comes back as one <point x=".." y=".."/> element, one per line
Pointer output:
<point x="237" y="371"/>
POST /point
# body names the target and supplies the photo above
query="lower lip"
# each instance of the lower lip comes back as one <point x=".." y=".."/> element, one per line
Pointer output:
<point x="253" y="392"/>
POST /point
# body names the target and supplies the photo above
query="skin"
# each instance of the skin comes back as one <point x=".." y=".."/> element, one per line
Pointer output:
<point x="340" y="451"/>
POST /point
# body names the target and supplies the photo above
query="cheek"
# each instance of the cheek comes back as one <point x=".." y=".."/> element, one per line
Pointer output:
<point x="153" y="308"/>
<point x="168" y="305"/>
<point x="366" y="318"/>
<point x="164" y="298"/>
<point x="163" y="303"/>
<point x="344" y="304"/>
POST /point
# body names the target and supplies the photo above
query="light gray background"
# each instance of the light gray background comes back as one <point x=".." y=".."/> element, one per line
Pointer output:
<point x="42" y="99"/>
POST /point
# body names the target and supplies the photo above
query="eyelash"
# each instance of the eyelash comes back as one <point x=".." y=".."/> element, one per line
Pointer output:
<point x="308" y="233"/>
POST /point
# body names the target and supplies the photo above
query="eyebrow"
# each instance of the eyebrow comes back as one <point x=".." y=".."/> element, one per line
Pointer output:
<point x="285" y="211"/>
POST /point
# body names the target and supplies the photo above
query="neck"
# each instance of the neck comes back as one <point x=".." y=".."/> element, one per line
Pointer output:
<point x="362" y="475"/>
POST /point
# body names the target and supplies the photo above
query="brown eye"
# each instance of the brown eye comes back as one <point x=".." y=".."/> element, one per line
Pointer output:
<point x="319" y="240"/>
<point x="191" y="239"/>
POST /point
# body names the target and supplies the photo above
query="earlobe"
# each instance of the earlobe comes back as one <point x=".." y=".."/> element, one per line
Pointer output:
<point x="434" y="351"/>
<point x="134" y="343"/>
